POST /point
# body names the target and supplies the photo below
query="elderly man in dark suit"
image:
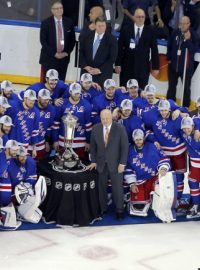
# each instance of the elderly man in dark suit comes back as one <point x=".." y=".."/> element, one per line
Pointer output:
<point x="109" y="151"/>
<point x="98" y="52"/>
<point x="57" y="38"/>
<point x="135" y="43"/>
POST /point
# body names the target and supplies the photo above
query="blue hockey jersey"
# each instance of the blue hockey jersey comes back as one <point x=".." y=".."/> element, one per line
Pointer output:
<point x="82" y="110"/>
<point x="165" y="131"/>
<point x="101" y="102"/>
<point x="144" y="164"/>
<point x="26" y="173"/>
<point x="26" y="125"/>
<point x="59" y="91"/>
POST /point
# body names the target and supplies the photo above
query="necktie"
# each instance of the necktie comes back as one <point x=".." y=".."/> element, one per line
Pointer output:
<point x="60" y="44"/>
<point x="106" y="136"/>
<point x="96" y="46"/>
<point x="137" y="37"/>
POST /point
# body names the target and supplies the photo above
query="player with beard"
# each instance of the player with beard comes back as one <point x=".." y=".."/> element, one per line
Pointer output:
<point x="22" y="168"/>
<point x="166" y="133"/>
<point x="82" y="110"/>
<point x="56" y="87"/>
<point x="26" y="121"/>
<point x="4" y="106"/>
<point x="124" y="115"/>
<point x="47" y="116"/>
<point x="11" y="149"/>
<point x="5" y="127"/>
<point x="108" y="100"/>
<point x="144" y="164"/>
<point x="7" y="91"/>
<point x="90" y="89"/>
<point x="188" y="126"/>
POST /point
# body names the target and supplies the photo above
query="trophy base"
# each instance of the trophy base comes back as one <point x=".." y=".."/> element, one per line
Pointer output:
<point x="60" y="164"/>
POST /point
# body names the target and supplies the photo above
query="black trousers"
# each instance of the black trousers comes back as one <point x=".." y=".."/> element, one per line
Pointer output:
<point x="128" y="74"/>
<point x="117" y="189"/>
<point x="60" y="65"/>
<point x="173" y="80"/>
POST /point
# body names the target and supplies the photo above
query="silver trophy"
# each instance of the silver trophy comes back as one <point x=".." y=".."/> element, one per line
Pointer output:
<point x="69" y="159"/>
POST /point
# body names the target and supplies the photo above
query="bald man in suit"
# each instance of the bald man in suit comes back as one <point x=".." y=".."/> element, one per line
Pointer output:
<point x="109" y="151"/>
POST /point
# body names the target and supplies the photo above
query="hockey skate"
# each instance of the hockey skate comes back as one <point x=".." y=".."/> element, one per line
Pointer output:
<point x="194" y="212"/>
<point x="183" y="206"/>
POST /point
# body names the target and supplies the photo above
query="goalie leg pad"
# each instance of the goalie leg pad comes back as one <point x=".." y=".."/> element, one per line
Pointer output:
<point x="165" y="198"/>
<point x="8" y="219"/>
<point x="29" y="211"/>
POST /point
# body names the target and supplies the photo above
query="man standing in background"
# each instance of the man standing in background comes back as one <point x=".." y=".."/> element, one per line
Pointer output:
<point x="134" y="46"/>
<point x="98" y="52"/>
<point x="181" y="40"/>
<point x="57" y="38"/>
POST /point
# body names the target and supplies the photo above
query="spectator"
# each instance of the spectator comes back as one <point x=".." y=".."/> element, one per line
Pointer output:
<point x="130" y="6"/>
<point x="57" y="38"/>
<point x="180" y="40"/>
<point x="95" y="12"/>
<point x="135" y="43"/>
<point x="98" y="52"/>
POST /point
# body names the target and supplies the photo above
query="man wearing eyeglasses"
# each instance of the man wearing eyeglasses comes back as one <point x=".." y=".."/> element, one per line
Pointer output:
<point x="134" y="46"/>
<point x="57" y="38"/>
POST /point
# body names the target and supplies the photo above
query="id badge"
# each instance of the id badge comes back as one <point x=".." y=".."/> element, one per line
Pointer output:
<point x="62" y="42"/>
<point x="179" y="52"/>
<point x="132" y="45"/>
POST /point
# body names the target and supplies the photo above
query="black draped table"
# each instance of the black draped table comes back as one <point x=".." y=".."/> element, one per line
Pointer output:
<point x="72" y="197"/>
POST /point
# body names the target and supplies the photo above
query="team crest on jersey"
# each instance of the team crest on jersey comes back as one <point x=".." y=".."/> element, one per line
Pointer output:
<point x="32" y="115"/>
<point x="22" y="122"/>
<point x="19" y="176"/>
<point x="21" y="118"/>
<point x="140" y="155"/>
<point x="20" y="113"/>
<point x="5" y="174"/>
<point x="81" y="109"/>
<point x="48" y="115"/>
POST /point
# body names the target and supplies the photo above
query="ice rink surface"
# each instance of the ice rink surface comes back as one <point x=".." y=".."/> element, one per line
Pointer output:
<point x="172" y="246"/>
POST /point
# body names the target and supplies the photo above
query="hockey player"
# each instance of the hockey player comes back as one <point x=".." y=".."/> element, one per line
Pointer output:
<point x="26" y="121"/>
<point x="126" y="117"/>
<point x="7" y="91"/>
<point x="11" y="149"/>
<point x="144" y="164"/>
<point x="22" y="168"/>
<point x="108" y="100"/>
<point x="193" y="148"/>
<point x="4" y="105"/>
<point x="196" y="112"/>
<point x="134" y="95"/>
<point x="47" y="117"/>
<point x="5" y="127"/>
<point x="89" y="91"/>
<point x="81" y="109"/>
<point x="7" y="211"/>
<point x="28" y="191"/>
<point x="166" y="133"/>
<point x="56" y="87"/>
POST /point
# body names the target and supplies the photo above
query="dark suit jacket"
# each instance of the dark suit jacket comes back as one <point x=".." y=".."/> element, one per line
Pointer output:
<point x="135" y="62"/>
<point x="116" y="151"/>
<point x="48" y="39"/>
<point x="104" y="58"/>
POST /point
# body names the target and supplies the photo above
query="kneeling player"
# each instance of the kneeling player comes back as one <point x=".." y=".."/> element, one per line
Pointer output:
<point x="193" y="148"/>
<point x="145" y="162"/>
